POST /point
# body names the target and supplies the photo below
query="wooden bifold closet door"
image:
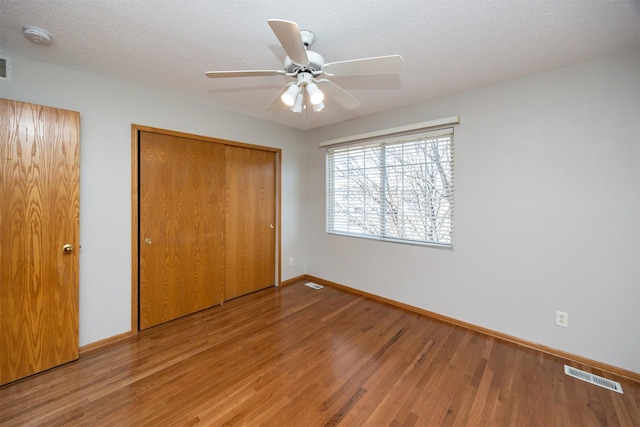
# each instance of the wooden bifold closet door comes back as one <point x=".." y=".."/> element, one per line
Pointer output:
<point x="39" y="238"/>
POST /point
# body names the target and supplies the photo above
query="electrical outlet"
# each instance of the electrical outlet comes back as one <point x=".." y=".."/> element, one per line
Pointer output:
<point x="291" y="261"/>
<point x="562" y="319"/>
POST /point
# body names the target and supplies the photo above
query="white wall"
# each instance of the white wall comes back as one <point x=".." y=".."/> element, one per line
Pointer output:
<point x="547" y="216"/>
<point x="107" y="111"/>
<point x="547" y="202"/>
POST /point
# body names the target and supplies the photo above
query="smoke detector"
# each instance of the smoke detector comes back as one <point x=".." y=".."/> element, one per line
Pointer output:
<point x="37" y="35"/>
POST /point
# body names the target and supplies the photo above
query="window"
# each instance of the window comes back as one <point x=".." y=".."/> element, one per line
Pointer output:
<point x="398" y="189"/>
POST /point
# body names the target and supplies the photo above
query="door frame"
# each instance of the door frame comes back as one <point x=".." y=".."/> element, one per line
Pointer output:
<point x="135" y="208"/>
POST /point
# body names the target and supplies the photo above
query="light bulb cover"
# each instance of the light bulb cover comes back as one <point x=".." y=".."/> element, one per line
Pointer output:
<point x="289" y="96"/>
<point x="297" y="107"/>
<point x="315" y="94"/>
<point x="318" y="107"/>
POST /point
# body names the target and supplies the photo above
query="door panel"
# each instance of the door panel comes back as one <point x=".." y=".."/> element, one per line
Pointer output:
<point x="39" y="214"/>
<point x="181" y="227"/>
<point x="250" y="192"/>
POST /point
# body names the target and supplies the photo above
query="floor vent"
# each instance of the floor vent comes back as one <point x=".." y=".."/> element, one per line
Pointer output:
<point x="313" y="285"/>
<point x="593" y="379"/>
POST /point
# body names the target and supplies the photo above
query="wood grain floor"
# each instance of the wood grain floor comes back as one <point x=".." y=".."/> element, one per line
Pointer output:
<point x="295" y="356"/>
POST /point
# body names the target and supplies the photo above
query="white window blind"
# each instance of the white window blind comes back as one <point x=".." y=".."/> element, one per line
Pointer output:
<point x="398" y="189"/>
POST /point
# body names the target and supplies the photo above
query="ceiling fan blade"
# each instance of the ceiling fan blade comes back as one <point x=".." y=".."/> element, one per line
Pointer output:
<point x="354" y="67"/>
<point x="245" y="73"/>
<point x="288" y="34"/>
<point x="336" y="93"/>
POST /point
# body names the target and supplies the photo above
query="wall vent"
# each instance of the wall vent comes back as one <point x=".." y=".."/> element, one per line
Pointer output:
<point x="5" y="68"/>
<point x="593" y="379"/>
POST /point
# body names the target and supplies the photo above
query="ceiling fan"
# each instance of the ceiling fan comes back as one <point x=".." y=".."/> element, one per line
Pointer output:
<point x="310" y="69"/>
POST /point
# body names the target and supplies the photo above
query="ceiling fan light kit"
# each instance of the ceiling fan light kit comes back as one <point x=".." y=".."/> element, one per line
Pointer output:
<point x="296" y="92"/>
<point x="315" y="95"/>
<point x="290" y="95"/>
<point x="299" y="105"/>
<point x="305" y="65"/>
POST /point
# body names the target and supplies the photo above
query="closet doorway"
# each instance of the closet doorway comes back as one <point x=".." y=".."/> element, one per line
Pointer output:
<point x="205" y="223"/>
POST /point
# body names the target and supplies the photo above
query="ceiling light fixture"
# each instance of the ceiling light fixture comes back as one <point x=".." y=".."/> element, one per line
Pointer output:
<point x="315" y="94"/>
<point x="298" y="106"/>
<point x="37" y="35"/>
<point x="290" y="95"/>
<point x="305" y="88"/>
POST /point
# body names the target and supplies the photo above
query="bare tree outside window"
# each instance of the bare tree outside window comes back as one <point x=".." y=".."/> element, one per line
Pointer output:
<point x="400" y="190"/>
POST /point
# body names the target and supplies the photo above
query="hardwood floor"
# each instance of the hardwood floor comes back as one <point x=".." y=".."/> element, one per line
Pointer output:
<point x="295" y="356"/>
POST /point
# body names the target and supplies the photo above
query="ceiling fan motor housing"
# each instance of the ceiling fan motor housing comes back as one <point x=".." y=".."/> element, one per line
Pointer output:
<point x="316" y="62"/>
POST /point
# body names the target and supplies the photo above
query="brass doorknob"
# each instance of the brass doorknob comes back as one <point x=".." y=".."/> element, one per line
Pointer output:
<point x="272" y="226"/>
<point x="67" y="249"/>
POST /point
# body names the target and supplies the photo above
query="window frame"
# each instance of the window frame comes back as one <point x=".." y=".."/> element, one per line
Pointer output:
<point x="442" y="137"/>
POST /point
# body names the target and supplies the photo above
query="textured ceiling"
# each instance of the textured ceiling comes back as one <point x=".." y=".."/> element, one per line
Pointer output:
<point x="448" y="45"/>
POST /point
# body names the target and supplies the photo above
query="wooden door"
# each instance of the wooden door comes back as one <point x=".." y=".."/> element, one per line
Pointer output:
<point x="250" y="227"/>
<point x="181" y="227"/>
<point x="39" y="215"/>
